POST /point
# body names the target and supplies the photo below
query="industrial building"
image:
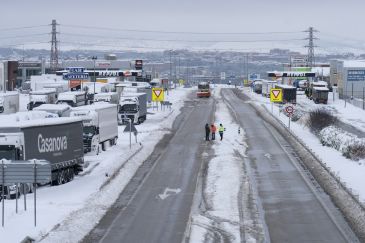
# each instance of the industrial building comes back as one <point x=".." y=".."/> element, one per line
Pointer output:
<point x="349" y="77"/>
<point x="8" y="75"/>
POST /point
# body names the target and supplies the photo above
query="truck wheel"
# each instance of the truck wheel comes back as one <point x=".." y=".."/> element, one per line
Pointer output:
<point x="60" y="177"/>
<point x="72" y="173"/>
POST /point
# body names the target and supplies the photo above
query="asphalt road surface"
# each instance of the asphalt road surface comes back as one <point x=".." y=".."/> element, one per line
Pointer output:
<point x="156" y="204"/>
<point x="295" y="208"/>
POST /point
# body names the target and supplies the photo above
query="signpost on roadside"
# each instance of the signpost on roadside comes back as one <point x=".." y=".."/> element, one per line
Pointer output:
<point x="290" y="110"/>
<point x="276" y="95"/>
<point x="131" y="128"/>
<point x="20" y="171"/>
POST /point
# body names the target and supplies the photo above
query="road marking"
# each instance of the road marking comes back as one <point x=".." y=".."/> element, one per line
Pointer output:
<point x="168" y="192"/>
<point x="267" y="155"/>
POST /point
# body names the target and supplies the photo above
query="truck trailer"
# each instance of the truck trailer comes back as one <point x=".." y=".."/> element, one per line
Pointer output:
<point x="111" y="97"/>
<point x="100" y="122"/>
<point x="266" y="86"/>
<point x="40" y="97"/>
<point x="61" y="110"/>
<point x="73" y="98"/>
<point x="132" y="106"/>
<point x="289" y="93"/>
<point x="57" y="140"/>
<point x="9" y="102"/>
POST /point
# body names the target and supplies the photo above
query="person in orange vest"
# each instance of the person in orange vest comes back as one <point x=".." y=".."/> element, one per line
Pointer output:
<point x="213" y="130"/>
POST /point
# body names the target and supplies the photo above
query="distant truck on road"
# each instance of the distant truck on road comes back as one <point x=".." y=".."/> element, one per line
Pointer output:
<point x="100" y="125"/>
<point x="9" y="102"/>
<point x="57" y="140"/>
<point x="203" y="90"/>
<point x="132" y="106"/>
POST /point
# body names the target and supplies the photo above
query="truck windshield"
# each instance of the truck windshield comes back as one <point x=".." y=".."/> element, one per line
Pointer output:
<point x="128" y="108"/>
<point x="89" y="130"/>
<point x="203" y="86"/>
<point x="7" y="152"/>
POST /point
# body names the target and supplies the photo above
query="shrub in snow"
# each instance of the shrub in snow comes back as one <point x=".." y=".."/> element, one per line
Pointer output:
<point x="319" y="119"/>
<point x="348" y="144"/>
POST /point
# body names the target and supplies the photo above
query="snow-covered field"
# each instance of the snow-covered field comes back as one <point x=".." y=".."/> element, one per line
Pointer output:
<point x="66" y="213"/>
<point x="350" y="172"/>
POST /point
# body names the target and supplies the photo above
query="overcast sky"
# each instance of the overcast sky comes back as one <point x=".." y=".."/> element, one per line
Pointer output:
<point x="343" y="18"/>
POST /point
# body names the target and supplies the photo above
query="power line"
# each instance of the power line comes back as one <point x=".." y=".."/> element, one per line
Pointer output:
<point x="24" y="27"/>
<point x="22" y="36"/>
<point x="179" y="32"/>
<point x="180" y="40"/>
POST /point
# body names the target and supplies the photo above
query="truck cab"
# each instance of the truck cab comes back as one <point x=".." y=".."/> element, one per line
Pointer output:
<point x="132" y="107"/>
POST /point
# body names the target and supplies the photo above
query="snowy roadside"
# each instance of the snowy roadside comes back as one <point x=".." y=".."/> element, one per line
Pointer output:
<point x="350" y="172"/>
<point x="225" y="215"/>
<point x="68" y="212"/>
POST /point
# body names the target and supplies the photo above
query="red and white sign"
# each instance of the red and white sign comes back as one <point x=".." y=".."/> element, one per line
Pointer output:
<point x="276" y="93"/>
<point x="289" y="109"/>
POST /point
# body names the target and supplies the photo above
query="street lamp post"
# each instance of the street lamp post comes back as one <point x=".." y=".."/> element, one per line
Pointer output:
<point x="94" y="58"/>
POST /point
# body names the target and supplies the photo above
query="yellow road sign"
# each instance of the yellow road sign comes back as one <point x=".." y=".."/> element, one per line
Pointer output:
<point x="158" y="94"/>
<point x="276" y="95"/>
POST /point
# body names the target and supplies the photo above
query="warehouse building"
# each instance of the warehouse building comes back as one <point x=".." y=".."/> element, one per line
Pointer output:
<point x="349" y="77"/>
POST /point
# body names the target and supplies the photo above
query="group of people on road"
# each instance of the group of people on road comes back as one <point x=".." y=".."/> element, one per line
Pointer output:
<point x="212" y="129"/>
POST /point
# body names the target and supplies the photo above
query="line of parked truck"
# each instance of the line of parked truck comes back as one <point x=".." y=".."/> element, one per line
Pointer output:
<point x="61" y="130"/>
<point x="316" y="91"/>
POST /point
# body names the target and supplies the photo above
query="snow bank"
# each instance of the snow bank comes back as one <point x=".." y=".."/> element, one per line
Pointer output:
<point x="348" y="144"/>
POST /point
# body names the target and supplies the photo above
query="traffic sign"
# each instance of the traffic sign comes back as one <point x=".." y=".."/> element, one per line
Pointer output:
<point x="130" y="128"/>
<point x="19" y="171"/>
<point x="289" y="109"/>
<point x="276" y="95"/>
<point x="158" y="94"/>
<point x="70" y="76"/>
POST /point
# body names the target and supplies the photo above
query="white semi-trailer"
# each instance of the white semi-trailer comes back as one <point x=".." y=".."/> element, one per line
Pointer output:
<point x="72" y="98"/>
<point x="100" y="125"/>
<point x="40" y="97"/>
<point x="9" y="102"/>
<point x="57" y="140"/>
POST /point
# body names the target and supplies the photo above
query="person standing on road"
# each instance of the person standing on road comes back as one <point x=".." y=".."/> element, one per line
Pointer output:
<point x="213" y="129"/>
<point x="221" y="130"/>
<point x="207" y="132"/>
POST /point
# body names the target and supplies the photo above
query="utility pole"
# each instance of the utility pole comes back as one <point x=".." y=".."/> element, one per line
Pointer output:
<point x="170" y="77"/>
<point x="310" y="46"/>
<point x="54" y="48"/>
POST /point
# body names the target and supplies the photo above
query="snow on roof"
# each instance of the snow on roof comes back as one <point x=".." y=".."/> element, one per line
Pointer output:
<point x="43" y="91"/>
<point x="41" y="122"/>
<point x="354" y="63"/>
<point x="105" y="94"/>
<point x="69" y="95"/>
<point x="285" y="86"/>
<point x="9" y="93"/>
<point x="321" y="71"/>
<point x="321" y="88"/>
<point x="320" y="83"/>
<point x="52" y="107"/>
<point x="94" y="106"/>
<point x="132" y="94"/>
<point x="269" y="81"/>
